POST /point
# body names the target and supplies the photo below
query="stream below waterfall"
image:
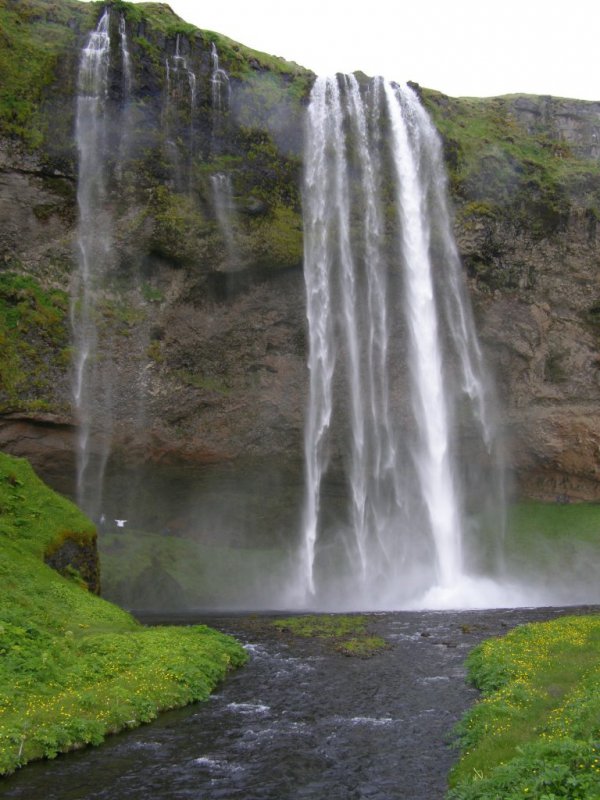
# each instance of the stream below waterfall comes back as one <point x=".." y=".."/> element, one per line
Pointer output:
<point x="299" y="721"/>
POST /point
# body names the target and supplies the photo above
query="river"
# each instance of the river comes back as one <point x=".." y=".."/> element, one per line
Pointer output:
<point x="299" y="721"/>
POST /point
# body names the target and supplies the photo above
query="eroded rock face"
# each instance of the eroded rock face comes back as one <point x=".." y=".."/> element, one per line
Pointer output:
<point x="542" y="342"/>
<point x="562" y="119"/>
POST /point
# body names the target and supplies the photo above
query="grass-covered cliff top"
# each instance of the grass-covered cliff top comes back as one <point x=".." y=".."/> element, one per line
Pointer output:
<point x="73" y="667"/>
<point x="34" y="35"/>
<point x="529" y="156"/>
<point x="39" y="52"/>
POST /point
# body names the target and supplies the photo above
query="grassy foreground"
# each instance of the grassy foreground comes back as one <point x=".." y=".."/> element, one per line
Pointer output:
<point x="73" y="667"/>
<point x="536" y="732"/>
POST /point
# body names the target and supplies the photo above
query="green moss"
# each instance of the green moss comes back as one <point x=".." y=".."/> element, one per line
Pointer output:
<point x="33" y="334"/>
<point x="178" y="227"/>
<point x="276" y="241"/>
<point x="493" y="160"/>
<point x="154" y="352"/>
<point x="33" y="36"/>
<point x="323" y="625"/>
<point x="73" y="667"/>
<point x="348" y="634"/>
<point x="151" y="294"/>
<point x="124" y="314"/>
<point x="241" y="62"/>
<point x="553" y="521"/>
<point x="362" y="647"/>
<point x="205" y="382"/>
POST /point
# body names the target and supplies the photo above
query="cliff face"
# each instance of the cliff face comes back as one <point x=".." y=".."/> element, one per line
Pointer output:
<point x="200" y="319"/>
<point x="525" y="178"/>
<point x="203" y="314"/>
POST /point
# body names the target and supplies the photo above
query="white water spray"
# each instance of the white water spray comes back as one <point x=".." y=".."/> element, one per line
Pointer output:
<point x="396" y="375"/>
<point x="96" y="146"/>
<point x="224" y="204"/>
<point x="219" y="80"/>
<point x="180" y="96"/>
<point x="92" y="237"/>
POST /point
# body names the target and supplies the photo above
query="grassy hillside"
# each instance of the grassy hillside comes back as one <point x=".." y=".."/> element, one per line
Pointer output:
<point x="536" y="732"/>
<point x="72" y="666"/>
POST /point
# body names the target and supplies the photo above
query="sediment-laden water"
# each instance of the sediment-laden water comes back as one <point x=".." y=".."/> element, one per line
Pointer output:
<point x="299" y="721"/>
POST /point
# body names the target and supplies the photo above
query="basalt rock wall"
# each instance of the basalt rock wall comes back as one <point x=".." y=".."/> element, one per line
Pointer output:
<point x="204" y="311"/>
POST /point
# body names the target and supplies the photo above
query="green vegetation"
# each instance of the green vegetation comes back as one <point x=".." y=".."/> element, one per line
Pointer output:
<point x="73" y="667"/>
<point x="495" y="163"/>
<point x="276" y="240"/>
<point x="208" y="383"/>
<point x="179" y="228"/>
<point x="536" y="732"/>
<point x="33" y="37"/>
<point x="557" y="541"/>
<point x="239" y="61"/>
<point x="324" y="626"/>
<point x="34" y="340"/>
<point x="152" y="294"/>
<point x="348" y="633"/>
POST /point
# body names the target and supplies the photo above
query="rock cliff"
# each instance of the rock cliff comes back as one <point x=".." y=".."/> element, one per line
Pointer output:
<point x="203" y="316"/>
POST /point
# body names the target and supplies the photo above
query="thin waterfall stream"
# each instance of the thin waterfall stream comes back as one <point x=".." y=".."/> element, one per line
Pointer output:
<point x="98" y="124"/>
<point x="91" y="376"/>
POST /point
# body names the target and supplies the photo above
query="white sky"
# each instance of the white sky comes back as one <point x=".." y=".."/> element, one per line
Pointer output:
<point x="461" y="47"/>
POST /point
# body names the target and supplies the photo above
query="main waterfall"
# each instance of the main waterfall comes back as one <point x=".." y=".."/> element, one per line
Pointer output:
<point x="403" y="498"/>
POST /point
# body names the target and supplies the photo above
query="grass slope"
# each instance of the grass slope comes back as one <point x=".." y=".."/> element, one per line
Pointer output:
<point x="536" y="732"/>
<point x="73" y="667"/>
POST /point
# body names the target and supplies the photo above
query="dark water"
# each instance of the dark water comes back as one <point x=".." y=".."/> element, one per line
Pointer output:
<point x="299" y="721"/>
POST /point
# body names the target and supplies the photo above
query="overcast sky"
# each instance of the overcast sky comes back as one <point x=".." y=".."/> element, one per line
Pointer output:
<point x="461" y="47"/>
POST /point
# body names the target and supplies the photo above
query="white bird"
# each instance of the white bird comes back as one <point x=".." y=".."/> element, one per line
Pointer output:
<point x="120" y="523"/>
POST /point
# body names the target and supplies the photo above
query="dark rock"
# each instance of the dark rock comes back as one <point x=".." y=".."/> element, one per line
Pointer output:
<point x="76" y="558"/>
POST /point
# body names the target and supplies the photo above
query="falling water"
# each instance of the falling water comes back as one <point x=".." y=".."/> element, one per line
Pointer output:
<point x="101" y="134"/>
<point x="125" y="57"/>
<point x="225" y="212"/>
<point x="181" y="91"/>
<point x="180" y="68"/>
<point x="397" y="385"/>
<point x="126" y="98"/>
<point x="93" y="237"/>
<point x="219" y="82"/>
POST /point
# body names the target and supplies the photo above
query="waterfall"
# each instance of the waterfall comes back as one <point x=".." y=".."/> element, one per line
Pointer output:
<point x="126" y="98"/>
<point x="94" y="243"/>
<point x="101" y="137"/>
<point x="180" y="67"/>
<point x="225" y="213"/>
<point x="219" y="82"/>
<point x="125" y="57"/>
<point x="399" y="409"/>
<point x="180" y="101"/>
